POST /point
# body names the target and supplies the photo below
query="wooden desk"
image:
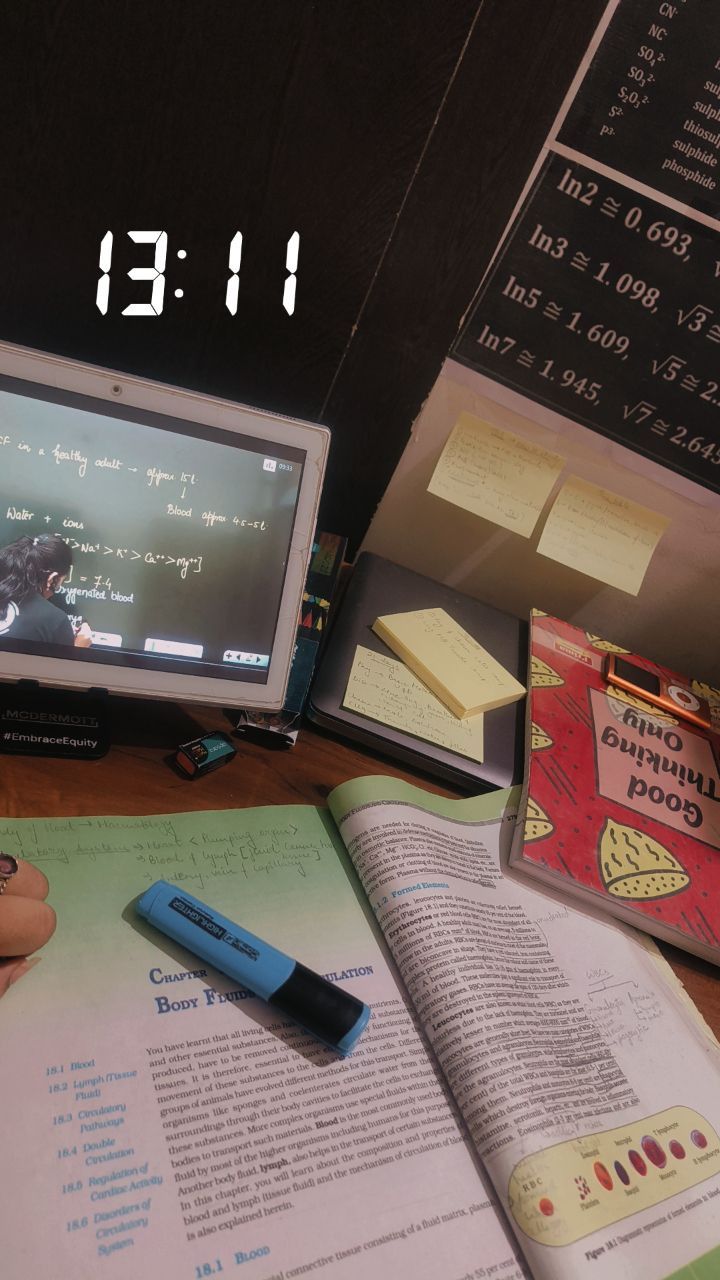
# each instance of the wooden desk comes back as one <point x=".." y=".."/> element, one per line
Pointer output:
<point x="136" y="777"/>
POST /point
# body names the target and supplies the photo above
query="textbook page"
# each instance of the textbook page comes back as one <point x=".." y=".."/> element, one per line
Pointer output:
<point x="160" y="1123"/>
<point x="592" y="1093"/>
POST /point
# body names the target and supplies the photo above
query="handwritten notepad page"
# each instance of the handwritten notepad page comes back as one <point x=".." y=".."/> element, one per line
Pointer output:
<point x="495" y="474"/>
<point x="465" y="677"/>
<point x="602" y="534"/>
<point x="386" y="690"/>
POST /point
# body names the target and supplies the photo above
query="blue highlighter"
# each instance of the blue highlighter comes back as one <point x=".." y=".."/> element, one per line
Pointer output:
<point x="328" y="1012"/>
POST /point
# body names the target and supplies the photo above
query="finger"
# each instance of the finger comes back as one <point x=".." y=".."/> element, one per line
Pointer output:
<point x="25" y="925"/>
<point x="12" y="970"/>
<point x="28" y="882"/>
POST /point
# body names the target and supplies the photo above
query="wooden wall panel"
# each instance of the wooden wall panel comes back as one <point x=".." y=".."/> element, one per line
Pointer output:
<point x="394" y="136"/>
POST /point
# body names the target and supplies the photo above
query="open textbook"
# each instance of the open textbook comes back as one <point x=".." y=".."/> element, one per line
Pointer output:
<point x="533" y="1095"/>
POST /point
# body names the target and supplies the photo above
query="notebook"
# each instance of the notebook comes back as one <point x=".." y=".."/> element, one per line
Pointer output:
<point x="621" y="799"/>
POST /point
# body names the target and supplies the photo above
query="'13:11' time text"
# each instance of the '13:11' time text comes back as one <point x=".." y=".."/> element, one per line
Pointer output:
<point x="155" y="274"/>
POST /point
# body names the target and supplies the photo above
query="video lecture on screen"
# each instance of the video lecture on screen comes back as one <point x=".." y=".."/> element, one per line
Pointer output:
<point x="177" y="543"/>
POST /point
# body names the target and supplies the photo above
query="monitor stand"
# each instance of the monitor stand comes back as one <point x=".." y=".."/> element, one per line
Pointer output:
<point x="42" y="721"/>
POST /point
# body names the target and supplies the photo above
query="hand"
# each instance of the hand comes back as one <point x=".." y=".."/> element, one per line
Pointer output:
<point x="83" y="637"/>
<point x="26" y="922"/>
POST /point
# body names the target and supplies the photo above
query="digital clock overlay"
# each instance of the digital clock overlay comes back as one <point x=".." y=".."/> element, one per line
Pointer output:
<point x="155" y="273"/>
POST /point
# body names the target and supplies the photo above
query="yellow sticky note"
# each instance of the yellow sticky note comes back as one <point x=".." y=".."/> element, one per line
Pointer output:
<point x="465" y="677"/>
<point x="602" y="534"/>
<point x="495" y="474"/>
<point x="384" y="689"/>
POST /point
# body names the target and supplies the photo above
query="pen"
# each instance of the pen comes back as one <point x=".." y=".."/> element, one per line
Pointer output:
<point x="333" y="1015"/>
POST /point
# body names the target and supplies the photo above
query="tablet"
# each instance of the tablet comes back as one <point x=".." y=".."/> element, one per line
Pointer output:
<point x="153" y="541"/>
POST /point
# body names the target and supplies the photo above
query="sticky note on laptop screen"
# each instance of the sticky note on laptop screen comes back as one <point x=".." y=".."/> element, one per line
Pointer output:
<point x="602" y="534"/>
<point x="449" y="661"/>
<point x="495" y="474"/>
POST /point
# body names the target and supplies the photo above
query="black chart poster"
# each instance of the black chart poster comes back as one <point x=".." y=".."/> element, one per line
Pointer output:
<point x="649" y="105"/>
<point x="604" y="301"/>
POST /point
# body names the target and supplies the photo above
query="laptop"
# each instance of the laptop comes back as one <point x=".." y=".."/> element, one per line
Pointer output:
<point x="378" y="587"/>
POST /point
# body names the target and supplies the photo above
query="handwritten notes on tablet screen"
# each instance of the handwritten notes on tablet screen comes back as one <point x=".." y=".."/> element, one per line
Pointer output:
<point x="495" y="474"/>
<point x="385" y="690"/>
<point x="602" y="534"/>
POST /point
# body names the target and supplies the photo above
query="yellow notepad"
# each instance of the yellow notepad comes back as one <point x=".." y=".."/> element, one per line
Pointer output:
<point x="454" y="666"/>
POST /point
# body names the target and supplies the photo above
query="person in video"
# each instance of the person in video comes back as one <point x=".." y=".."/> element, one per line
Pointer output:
<point x="31" y="571"/>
